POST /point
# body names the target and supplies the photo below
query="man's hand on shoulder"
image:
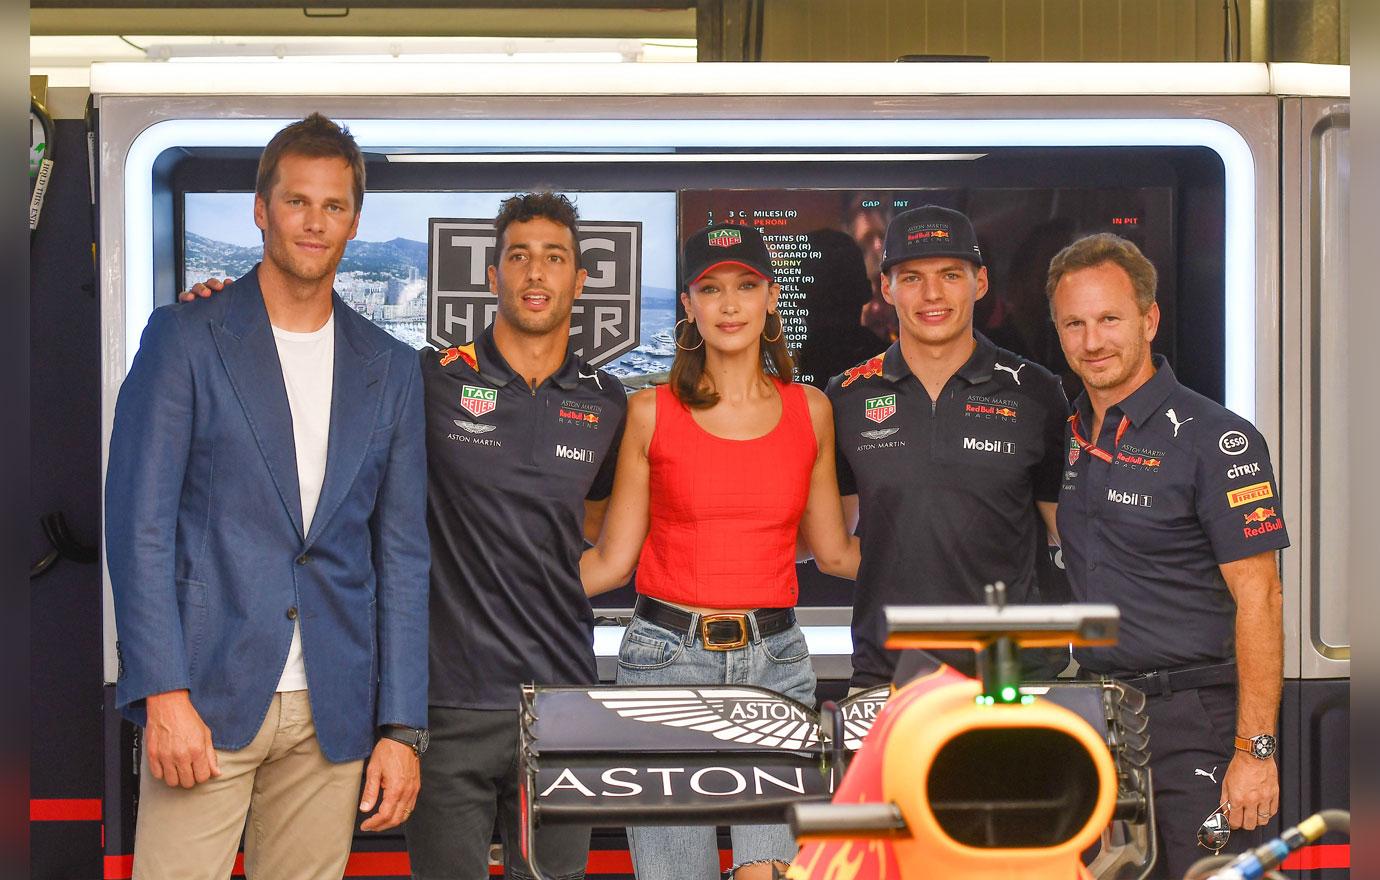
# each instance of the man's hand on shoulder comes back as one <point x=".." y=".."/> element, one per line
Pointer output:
<point x="1251" y="786"/>
<point x="203" y="289"/>
<point x="395" y="769"/>
<point x="177" y="742"/>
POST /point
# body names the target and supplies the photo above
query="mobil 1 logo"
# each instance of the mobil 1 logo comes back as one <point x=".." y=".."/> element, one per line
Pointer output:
<point x="605" y="321"/>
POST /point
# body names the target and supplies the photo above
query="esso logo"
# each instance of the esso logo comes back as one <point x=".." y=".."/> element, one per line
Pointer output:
<point x="1233" y="443"/>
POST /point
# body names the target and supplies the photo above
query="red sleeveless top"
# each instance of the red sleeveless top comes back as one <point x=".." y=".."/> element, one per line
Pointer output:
<point x="724" y="513"/>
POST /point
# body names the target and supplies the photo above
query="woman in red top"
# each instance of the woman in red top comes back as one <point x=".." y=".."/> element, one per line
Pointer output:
<point x="719" y="475"/>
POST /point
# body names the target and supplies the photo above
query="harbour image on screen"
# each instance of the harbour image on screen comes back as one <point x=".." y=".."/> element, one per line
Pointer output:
<point x="827" y="245"/>
<point x="383" y="273"/>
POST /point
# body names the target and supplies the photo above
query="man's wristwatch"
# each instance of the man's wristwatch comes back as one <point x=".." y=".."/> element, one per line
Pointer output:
<point x="417" y="738"/>
<point x="1261" y="746"/>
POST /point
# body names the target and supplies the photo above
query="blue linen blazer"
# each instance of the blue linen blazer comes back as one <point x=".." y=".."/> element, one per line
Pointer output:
<point x="208" y="561"/>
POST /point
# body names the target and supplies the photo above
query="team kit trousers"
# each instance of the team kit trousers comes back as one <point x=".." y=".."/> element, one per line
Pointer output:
<point x="654" y="655"/>
<point x="1192" y="740"/>
<point x="295" y="809"/>
<point x="469" y="787"/>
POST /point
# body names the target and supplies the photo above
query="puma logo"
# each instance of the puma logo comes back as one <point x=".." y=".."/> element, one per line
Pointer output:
<point x="1212" y="775"/>
<point x="1175" y="420"/>
<point x="594" y="376"/>
<point x="1015" y="374"/>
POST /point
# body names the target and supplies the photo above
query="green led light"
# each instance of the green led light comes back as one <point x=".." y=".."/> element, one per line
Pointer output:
<point x="1008" y="694"/>
<point x="1027" y="699"/>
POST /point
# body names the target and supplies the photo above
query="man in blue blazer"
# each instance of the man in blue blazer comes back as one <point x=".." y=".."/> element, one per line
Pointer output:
<point x="267" y="547"/>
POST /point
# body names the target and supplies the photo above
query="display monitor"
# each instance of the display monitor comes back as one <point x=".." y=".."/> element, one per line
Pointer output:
<point x="391" y="269"/>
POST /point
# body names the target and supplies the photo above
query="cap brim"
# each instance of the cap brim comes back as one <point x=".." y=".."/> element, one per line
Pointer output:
<point x="711" y="267"/>
<point x="967" y="257"/>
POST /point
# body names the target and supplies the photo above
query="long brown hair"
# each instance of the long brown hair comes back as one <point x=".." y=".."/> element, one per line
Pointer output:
<point x="696" y="390"/>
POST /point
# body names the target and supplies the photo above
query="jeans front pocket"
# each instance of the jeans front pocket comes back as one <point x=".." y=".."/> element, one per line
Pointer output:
<point x="647" y="646"/>
<point x="787" y="646"/>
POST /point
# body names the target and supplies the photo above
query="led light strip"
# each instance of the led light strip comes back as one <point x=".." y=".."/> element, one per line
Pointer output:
<point x="621" y="135"/>
<point x="640" y="156"/>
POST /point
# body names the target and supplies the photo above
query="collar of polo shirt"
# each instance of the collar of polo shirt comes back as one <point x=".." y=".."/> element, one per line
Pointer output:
<point x="495" y="369"/>
<point x="976" y="370"/>
<point x="1143" y="403"/>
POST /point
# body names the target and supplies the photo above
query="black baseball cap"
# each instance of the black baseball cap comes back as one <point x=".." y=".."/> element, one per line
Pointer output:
<point x="724" y="243"/>
<point x="929" y="231"/>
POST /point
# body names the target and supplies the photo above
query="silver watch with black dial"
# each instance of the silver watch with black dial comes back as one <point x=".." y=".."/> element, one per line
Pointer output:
<point x="1260" y="746"/>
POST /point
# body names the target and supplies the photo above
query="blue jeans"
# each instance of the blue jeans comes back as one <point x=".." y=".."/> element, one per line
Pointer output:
<point x="653" y="655"/>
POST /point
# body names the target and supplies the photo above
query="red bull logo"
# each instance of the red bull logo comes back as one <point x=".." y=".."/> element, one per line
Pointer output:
<point x="863" y="371"/>
<point x="1142" y="461"/>
<point x="1264" y="520"/>
<point x="1006" y="412"/>
<point x="460" y="352"/>
<point x="573" y="415"/>
<point x="927" y="233"/>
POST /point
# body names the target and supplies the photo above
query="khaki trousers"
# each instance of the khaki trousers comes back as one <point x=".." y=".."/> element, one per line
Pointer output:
<point x="301" y="809"/>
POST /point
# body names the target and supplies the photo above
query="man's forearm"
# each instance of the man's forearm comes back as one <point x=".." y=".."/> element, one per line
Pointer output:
<point x="1259" y="658"/>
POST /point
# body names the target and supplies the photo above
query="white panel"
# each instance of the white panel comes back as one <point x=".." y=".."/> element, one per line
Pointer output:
<point x="416" y="78"/>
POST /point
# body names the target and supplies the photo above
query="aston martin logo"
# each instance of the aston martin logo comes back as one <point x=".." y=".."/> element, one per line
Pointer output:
<point x="859" y="714"/>
<point x="473" y="427"/>
<point x="740" y="716"/>
<point x="880" y="434"/>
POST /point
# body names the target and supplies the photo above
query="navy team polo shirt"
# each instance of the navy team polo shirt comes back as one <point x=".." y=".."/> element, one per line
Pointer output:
<point x="508" y="471"/>
<point x="1175" y="485"/>
<point x="946" y="489"/>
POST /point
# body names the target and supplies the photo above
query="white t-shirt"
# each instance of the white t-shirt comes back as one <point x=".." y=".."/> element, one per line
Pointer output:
<point x="308" y="360"/>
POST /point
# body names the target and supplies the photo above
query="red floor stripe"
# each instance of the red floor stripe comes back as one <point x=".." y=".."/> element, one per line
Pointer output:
<point x="65" y="810"/>
<point x="396" y="864"/>
<point x="119" y="867"/>
<point x="1319" y="857"/>
<point x="378" y="864"/>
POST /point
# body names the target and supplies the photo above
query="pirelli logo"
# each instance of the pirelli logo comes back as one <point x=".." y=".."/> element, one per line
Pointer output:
<point x="1249" y="494"/>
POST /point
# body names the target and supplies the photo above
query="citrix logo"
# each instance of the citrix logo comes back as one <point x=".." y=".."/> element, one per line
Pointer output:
<point x="1242" y="470"/>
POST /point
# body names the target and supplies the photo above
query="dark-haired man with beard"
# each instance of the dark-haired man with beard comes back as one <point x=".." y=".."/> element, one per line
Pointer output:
<point x="521" y="440"/>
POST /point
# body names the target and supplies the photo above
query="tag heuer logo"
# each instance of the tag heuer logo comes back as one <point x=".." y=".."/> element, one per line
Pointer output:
<point x="879" y="409"/>
<point x="725" y="238"/>
<point x="477" y="401"/>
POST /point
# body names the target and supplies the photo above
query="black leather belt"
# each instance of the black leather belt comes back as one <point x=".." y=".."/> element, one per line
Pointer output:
<point x="717" y="632"/>
<point x="1163" y="682"/>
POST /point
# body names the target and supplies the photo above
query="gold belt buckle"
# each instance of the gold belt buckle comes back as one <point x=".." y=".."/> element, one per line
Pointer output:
<point x="740" y="642"/>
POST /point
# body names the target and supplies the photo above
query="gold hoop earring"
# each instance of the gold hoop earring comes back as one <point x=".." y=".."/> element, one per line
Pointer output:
<point x="780" y="328"/>
<point x="678" y="335"/>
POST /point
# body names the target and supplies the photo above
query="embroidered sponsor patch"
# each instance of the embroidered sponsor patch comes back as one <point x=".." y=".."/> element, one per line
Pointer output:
<point x="1248" y="494"/>
<point x="865" y="370"/>
<point x="460" y="352"/>
<point x="725" y="238"/>
<point x="478" y="401"/>
<point x="879" y="409"/>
